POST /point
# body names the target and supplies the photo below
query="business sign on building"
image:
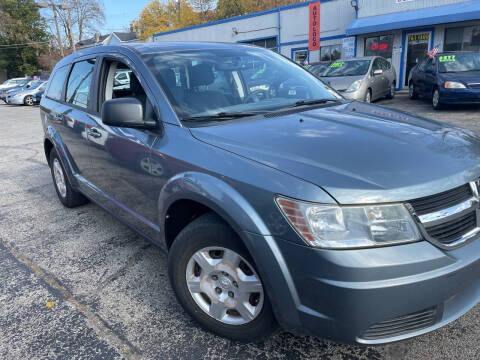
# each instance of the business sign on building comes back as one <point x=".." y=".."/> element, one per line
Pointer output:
<point x="314" y="29"/>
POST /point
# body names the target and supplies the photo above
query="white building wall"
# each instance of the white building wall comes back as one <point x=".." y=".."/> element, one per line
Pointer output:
<point x="380" y="7"/>
<point x="289" y="25"/>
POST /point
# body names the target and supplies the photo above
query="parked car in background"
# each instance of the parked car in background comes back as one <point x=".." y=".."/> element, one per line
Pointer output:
<point x="25" y="96"/>
<point x="365" y="79"/>
<point x="17" y="86"/>
<point x="11" y="83"/>
<point x="447" y="78"/>
<point x="295" y="207"/>
<point x="318" y="68"/>
<point x="38" y="96"/>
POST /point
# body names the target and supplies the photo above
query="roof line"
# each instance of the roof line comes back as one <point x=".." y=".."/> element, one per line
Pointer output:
<point x="240" y="17"/>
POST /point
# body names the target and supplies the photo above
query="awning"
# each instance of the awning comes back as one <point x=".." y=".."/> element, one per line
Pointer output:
<point x="464" y="11"/>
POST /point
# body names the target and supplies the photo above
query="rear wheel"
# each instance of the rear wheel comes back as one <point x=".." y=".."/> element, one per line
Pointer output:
<point x="28" y="100"/>
<point x="391" y="94"/>
<point x="436" y="101"/>
<point x="412" y="92"/>
<point x="215" y="280"/>
<point x="67" y="195"/>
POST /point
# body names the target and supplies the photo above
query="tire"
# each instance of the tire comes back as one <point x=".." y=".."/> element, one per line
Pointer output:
<point x="69" y="197"/>
<point x="28" y="100"/>
<point x="391" y="95"/>
<point x="208" y="233"/>
<point x="412" y="94"/>
<point x="368" y="96"/>
<point x="436" y="101"/>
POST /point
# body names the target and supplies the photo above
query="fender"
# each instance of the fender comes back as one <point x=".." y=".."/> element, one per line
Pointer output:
<point x="243" y="218"/>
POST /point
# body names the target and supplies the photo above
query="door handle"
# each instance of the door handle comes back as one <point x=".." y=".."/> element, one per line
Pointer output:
<point x="94" y="133"/>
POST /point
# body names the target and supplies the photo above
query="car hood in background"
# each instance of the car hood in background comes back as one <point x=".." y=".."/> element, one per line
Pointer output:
<point x="341" y="83"/>
<point x="463" y="76"/>
<point x="358" y="153"/>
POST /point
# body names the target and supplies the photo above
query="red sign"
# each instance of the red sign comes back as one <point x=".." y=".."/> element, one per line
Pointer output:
<point x="314" y="29"/>
<point x="381" y="46"/>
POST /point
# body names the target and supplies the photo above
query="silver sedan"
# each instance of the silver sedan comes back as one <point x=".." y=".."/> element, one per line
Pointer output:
<point x="365" y="79"/>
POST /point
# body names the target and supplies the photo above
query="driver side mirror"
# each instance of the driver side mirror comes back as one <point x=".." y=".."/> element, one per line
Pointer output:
<point x="378" y="72"/>
<point x="125" y="112"/>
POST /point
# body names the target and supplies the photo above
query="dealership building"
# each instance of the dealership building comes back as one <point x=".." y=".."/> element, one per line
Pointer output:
<point x="402" y="31"/>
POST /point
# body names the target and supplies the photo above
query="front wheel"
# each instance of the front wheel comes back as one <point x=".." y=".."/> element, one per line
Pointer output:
<point x="368" y="96"/>
<point x="391" y="94"/>
<point x="216" y="282"/>
<point x="28" y="100"/>
<point x="412" y="92"/>
<point x="436" y="102"/>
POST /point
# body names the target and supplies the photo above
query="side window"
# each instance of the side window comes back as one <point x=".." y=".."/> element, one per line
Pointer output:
<point x="386" y="65"/>
<point x="376" y="65"/>
<point x="56" y="83"/>
<point x="78" y="86"/>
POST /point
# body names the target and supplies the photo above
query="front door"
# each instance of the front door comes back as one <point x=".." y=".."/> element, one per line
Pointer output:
<point x="417" y="45"/>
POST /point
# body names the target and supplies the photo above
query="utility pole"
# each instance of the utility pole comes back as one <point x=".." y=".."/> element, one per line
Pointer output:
<point x="54" y="7"/>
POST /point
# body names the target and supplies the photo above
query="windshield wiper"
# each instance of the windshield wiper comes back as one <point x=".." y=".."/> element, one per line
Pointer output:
<point x="221" y="116"/>
<point x="315" y="101"/>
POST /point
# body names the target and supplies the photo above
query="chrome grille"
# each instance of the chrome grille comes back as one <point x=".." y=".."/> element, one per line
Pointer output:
<point x="450" y="231"/>
<point x="402" y="324"/>
<point x="441" y="201"/>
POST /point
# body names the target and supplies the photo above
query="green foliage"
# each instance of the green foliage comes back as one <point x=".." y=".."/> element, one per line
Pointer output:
<point x="21" y="24"/>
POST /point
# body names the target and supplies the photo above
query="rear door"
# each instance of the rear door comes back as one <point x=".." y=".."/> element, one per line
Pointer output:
<point x="73" y="116"/>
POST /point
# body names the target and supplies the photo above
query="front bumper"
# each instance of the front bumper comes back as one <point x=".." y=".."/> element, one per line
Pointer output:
<point x="358" y="95"/>
<point x="460" y="96"/>
<point x="14" y="100"/>
<point x="342" y="294"/>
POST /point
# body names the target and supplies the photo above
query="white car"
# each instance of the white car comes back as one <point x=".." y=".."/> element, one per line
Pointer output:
<point x="10" y="83"/>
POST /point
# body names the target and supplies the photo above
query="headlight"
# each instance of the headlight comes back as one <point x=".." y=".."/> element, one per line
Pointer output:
<point x="341" y="227"/>
<point x="454" y="85"/>
<point x="355" y="86"/>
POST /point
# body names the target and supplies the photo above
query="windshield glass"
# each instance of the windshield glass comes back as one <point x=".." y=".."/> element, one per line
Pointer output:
<point x="347" y="68"/>
<point x="245" y="79"/>
<point x="23" y="82"/>
<point x="318" y="69"/>
<point x="459" y="62"/>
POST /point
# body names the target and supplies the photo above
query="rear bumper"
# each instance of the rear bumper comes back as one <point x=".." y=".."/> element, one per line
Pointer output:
<point x="342" y="294"/>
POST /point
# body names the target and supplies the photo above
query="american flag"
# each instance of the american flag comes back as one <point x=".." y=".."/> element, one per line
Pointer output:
<point x="434" y="51"/>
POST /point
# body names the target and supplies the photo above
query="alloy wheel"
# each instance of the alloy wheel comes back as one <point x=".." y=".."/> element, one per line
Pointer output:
<point x="436" y="98"/>
<point x="368" y="97"/>
<point x="224" y="285"/>
<point x="59" y="178"/>
<point x="29" y="100"/>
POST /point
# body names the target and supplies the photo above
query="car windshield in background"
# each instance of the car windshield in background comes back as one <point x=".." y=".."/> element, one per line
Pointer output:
<point x="35" y="84"/>
<point x="318" y="69"/>
<point x="241" y="81"/>
<point x="459" y="62"/>
<point x="347" y="68"/>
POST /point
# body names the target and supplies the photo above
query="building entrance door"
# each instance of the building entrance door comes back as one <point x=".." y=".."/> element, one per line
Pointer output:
<point x="417" y="45"/>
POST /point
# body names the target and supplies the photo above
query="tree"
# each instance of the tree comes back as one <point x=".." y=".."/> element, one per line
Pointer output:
<point x="204" y="8"/>
<point x="23" y="37"/>
<point x="159" y="17"/>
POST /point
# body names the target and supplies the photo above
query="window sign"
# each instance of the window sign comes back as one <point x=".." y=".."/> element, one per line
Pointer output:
<point x="379" y="46"/>
<point x="349" y="47"/>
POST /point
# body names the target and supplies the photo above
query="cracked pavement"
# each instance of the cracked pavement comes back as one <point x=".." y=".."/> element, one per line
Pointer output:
<point x="76" y="283"/>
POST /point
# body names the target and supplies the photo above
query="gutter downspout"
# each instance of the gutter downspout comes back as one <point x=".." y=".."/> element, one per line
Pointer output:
<point x="279" y="47"/>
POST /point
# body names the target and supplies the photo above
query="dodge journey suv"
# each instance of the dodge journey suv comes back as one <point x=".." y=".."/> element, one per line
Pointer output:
<point x="284" y="205"/>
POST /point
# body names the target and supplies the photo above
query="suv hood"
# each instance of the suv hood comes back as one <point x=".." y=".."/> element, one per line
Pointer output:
<point x="358" y="153"/>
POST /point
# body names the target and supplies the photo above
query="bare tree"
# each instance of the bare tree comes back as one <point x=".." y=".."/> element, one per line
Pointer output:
<point x="203" y="7"/>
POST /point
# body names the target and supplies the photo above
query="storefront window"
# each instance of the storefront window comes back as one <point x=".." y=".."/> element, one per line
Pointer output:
<point x="269" y="43"/>
<point x="462" y="38"/>
<point x="300" y="56"/>
<point x="330" y="53"/>
<point x="379" y="46"/>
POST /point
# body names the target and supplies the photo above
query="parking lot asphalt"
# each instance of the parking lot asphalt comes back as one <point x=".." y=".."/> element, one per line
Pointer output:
<point x="76" y="283"/>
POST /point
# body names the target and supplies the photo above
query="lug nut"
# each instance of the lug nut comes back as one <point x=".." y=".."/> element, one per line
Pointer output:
<point x="218" y="290"/>
<point x="214" y="277"/>
<point x="230" y="293"/>
<point x="235" y="284"/>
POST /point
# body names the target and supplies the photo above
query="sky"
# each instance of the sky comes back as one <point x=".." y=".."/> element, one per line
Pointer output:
<point x="119" y="14"/>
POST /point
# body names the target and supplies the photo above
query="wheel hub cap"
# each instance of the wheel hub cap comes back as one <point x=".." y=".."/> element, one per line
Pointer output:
<point x="224" y="285"/>
<point x="59" y="178"/>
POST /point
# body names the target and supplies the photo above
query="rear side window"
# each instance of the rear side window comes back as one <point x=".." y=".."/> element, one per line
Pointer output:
<point x="56" y="83"/>
<point x="78" y="86"/>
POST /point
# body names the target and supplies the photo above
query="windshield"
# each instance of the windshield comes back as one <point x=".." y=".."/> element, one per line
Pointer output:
<point x="347" y="68"/>
<point x="240" y="80"/>
<point x="23" y="82"/>
<point x="318" y="69"/>
<point x="459" y="62"/>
